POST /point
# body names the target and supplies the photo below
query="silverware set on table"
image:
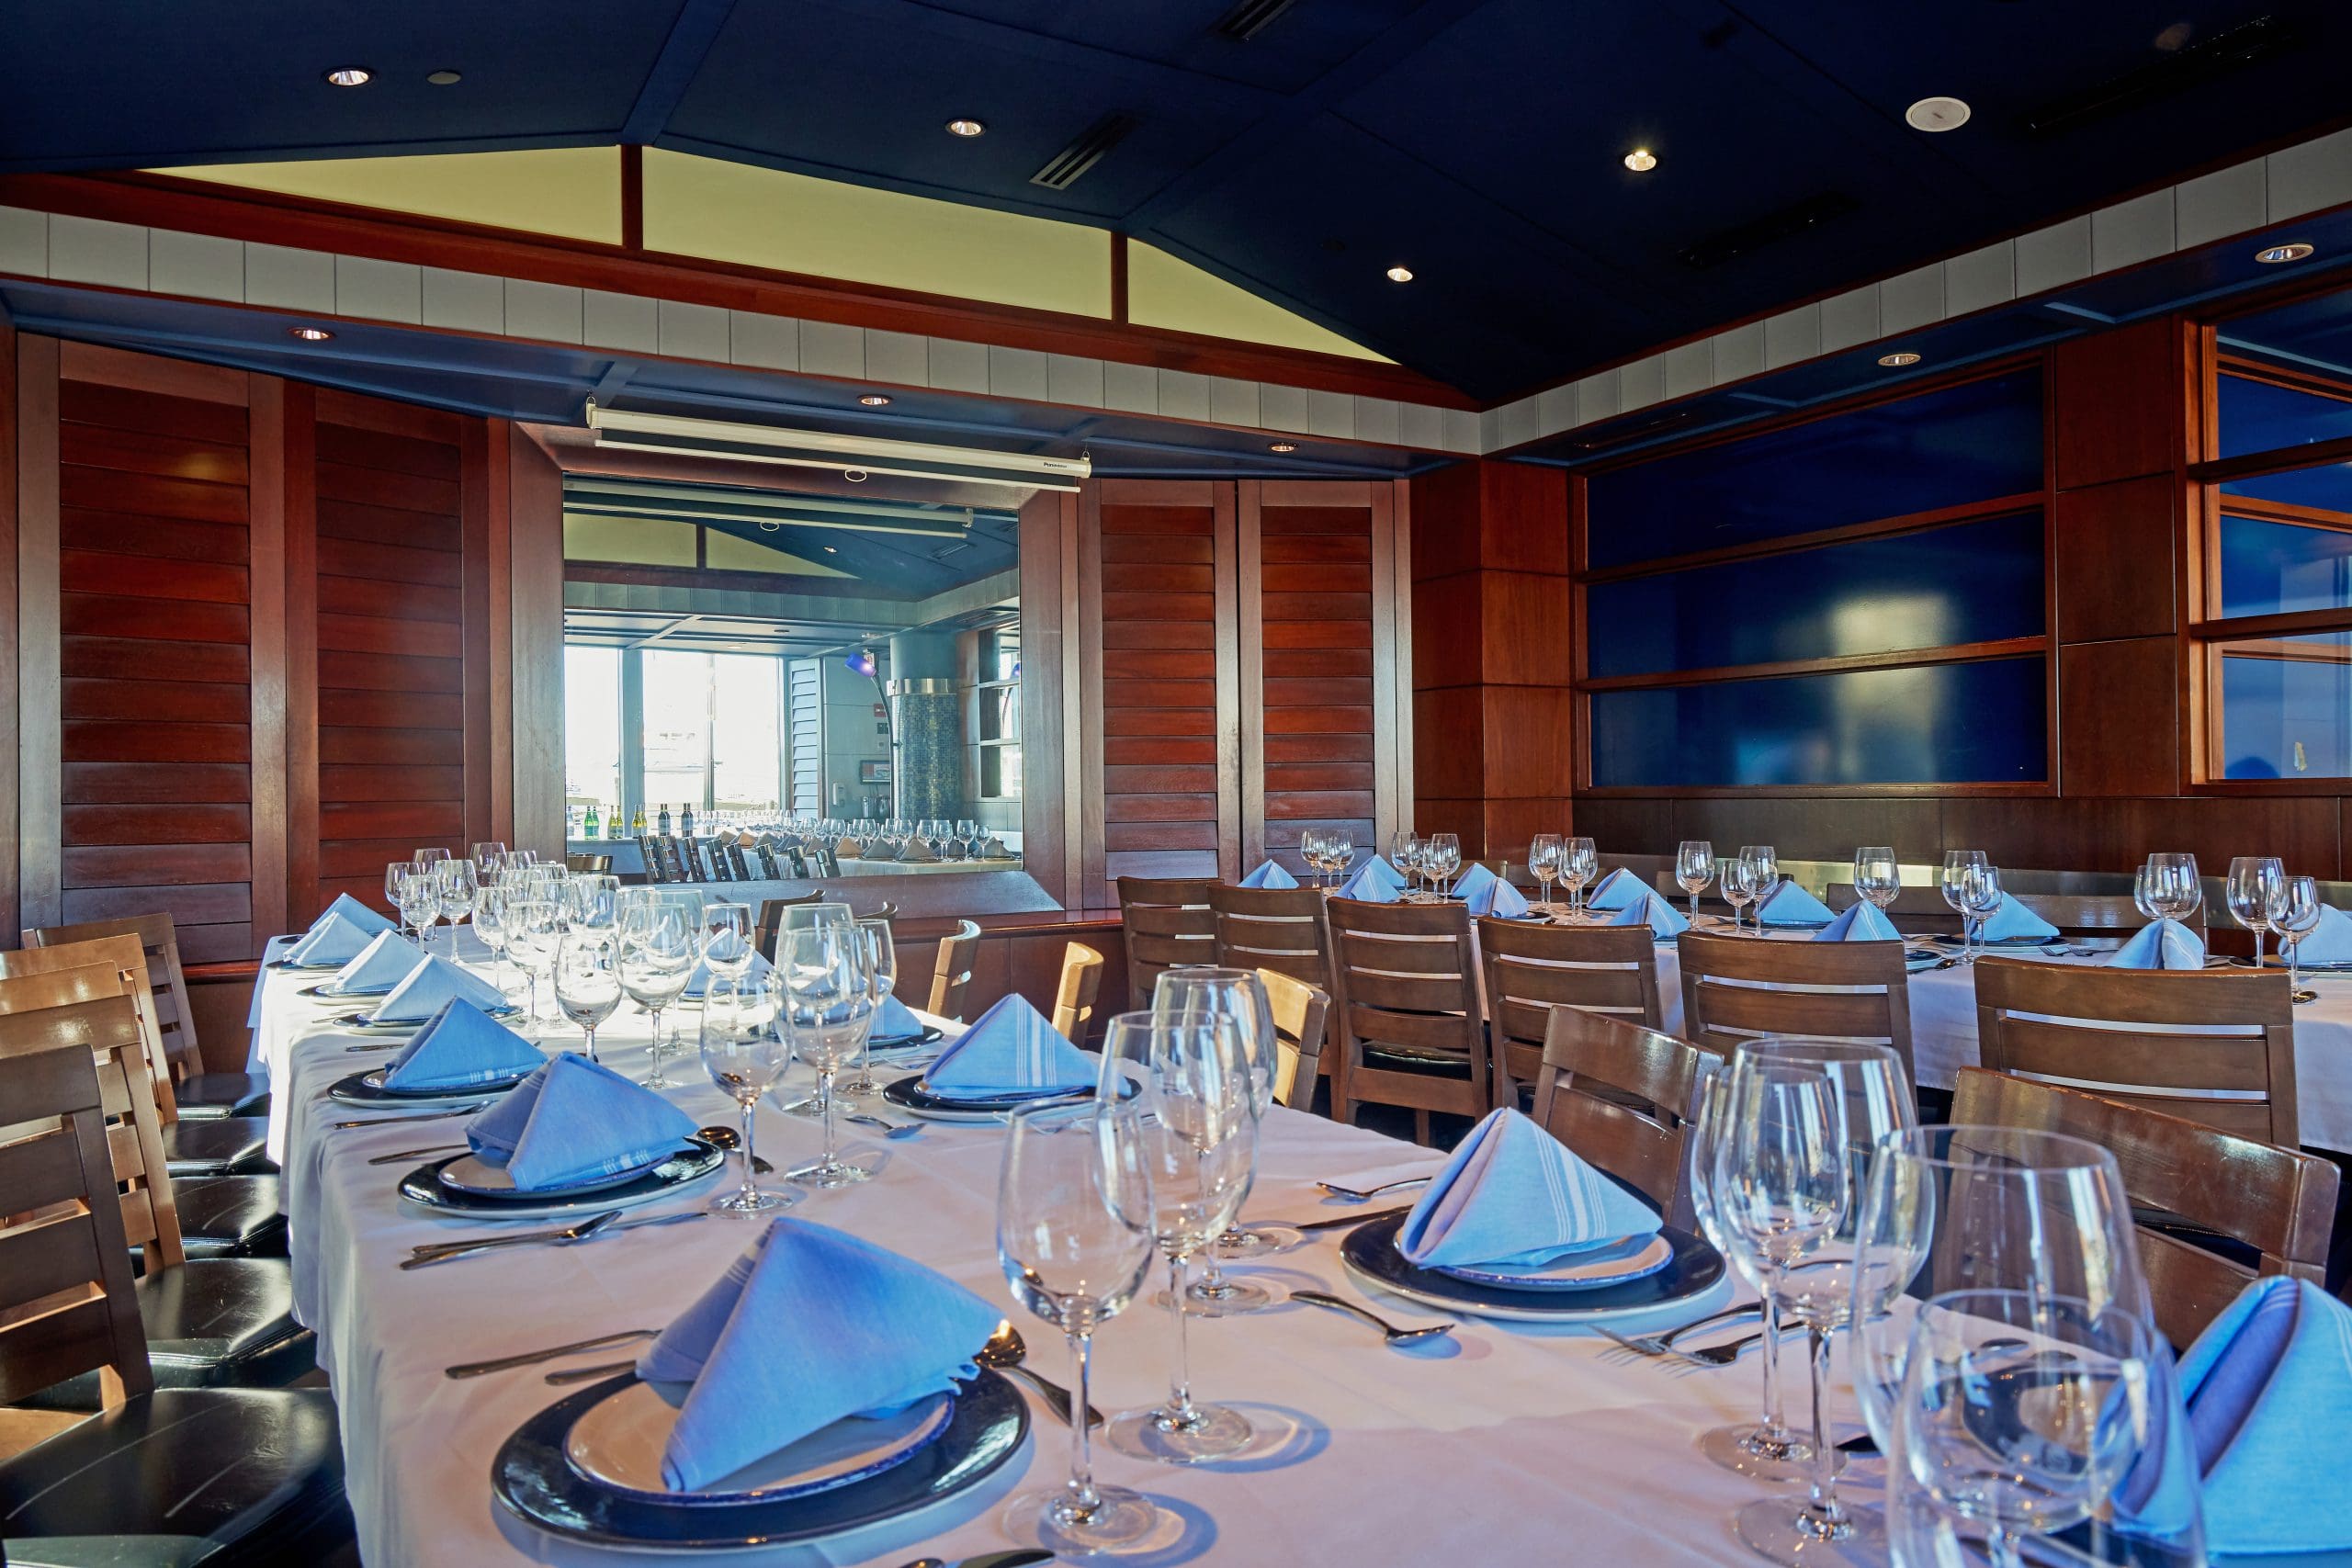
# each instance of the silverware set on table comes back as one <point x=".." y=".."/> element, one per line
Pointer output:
<point x="425" y="1254"/>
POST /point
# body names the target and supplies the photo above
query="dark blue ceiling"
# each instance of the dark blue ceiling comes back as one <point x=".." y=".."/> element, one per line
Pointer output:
<point x="1477" y="142"/>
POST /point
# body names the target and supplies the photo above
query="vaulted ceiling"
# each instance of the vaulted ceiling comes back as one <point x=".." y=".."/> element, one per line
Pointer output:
<point x="1477" y="143"/>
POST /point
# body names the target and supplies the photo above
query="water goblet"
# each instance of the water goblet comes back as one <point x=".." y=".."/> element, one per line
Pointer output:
<point x="2177" y="889"/>
<point x="826" y="1000"/>
<point x="1579" y="861"/>
<point x="724" y="938"/>
<point x="1694" y="867"/>
<point x="2295" y="916"/>
<point x="657" y="958"/>
<point x="1954" y="882"/>
<point x="1878" y="877"/>
<point x="1739" y="889"/>
<point x="2255" y="881"/>
<point x="587" y="982"/>
<point x="1239" y="995"/>
<point x="1980" y="899"/>
<point x="1763" y="864"/>
<point x="1441" y="858"/>
<point x="882" y="971"/>
<point x="744" y="1052"/>
<point x="1543" y="852"/>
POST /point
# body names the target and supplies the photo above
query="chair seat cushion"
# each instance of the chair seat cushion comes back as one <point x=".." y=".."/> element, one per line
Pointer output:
<point x="182" y="1477"/>
<point x="230" y="1216"/>
<point x="206" y="1097"/>
<point x="212" y="1323"/>
<point x="1405" y="1059"/>
<point x="231" y="1145"/>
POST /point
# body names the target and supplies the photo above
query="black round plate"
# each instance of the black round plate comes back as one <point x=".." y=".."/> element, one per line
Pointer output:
<point x="1696" y="1267"/>
<point x="693" y="1160"/>
<point x="907" y="1094"/>
<point x="533" y="1480"/>
<point x="357" y="1090"/>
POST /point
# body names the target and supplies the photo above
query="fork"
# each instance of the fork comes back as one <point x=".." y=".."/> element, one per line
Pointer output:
<point x="1705" y="1356"/>
<point x="1660" y="1344"/>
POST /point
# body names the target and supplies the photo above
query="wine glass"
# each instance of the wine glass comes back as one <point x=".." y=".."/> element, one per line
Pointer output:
<point x="1544" y="853"/>
<point x="1979" y="900"/>
<point x="490" y="924"/>
<point x="882" y="977"/>
<point x="393" y="872"/>
<point x="419" y="904"/>
<point x="2294" y="917"/>
<point x="1954" y="882"/>
<point x="1240" y="994"/>
<point x="744" y="1052"/>
<point x="587" y="982"/>
<point x="2144" y="896"/>
<point x="2255" y="882"/>
<point x="1694" y="867"/>
<point x="430" y="856"/>
<point x="1407" y="855"/>
<point x="1739" y="889"/>
<point x="532" y="930"/>
<point x="592" y="902"/>
<point x="827" y="1001"/>
<point x="1341" y="843"/>
<point x="456" y="886"/>
<point x="1763" y="864"/>
<point x="1196" y="1140"/>
<point x="1441" y="858"/>
<point x="488" y="856"/>
<point x="1870" y="1098"/>
<point x="1072" y="1193"/>
<point x="657" y="958"/>
<point x="2177" y="887"/>
<point x="1877" y="875"/>
<point x="1579" y="861"/>
<point x="2022" y="1413"/>
<point x="726" y="938"/>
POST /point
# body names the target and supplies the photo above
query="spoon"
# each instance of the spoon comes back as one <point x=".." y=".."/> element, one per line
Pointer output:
<point x="583" y="1230"/>
<point x="1005" y="1351"/>
<point x="730" y="1140"/>
<point x="1368" y="1194"/>
<point x="889" y="1129"/>
<point x="1395" y="1334"/>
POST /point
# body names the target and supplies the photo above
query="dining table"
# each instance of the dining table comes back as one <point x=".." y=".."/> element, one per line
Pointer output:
<point x="1498" y="1442"/>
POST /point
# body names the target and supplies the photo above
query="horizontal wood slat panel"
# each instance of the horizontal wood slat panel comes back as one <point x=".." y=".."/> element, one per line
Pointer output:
<point x="127" y="408"/>
<point x="104" y="740"/>
<point x="1287" y="692"/>
<point x="93" y="615"/>
<point x="1154" y="634"/>
<point x="1123" y="807"/>
<point x="372" y="634"/>
<point x="390" y="599"/>
<point x="392" y="710"/>
<point x="1160" y="835"/>
<point x="1329" y="578"/>
<point x="1145" y="780"/>
<point x="1286" y="635"/>
<point x="1326" y="549"/>
<point x="147" y="864"/>
<point x="226" y="943"/>
<point x="1157" y="750"/>
<point x="1318" y="776"/>
<point x="1319" y="607"/>
<point x="1353" y="720"/>
<point x="130" y="658"/>
<point x="1160" y="665"/>
<point x="349" y="859"/>
<point x="185" y="701"/>
<point x="1157" y="522"/>
<point x="424" y="822"/>
<point x="1318" y="744"/>
<point x="178" y="823"/>
<point x="1351" y="804"/>
<point x="390" y="672"/>
<point x="1159" y="721"/>
<point x="390" y="563"/>
<point x="1290" y="521"/>
<point x="139" y="452"/>
<point x="1159" y="579"/>
<point x="442" y="748"/>
<point x="375" y="487"/>
<point x="357" y="448"/>
<point x="1157" y="731"/>
<point x="1168" y="693"/>
<point x="347" y="783"/>
<point x="1318" y="749"/>
<point x="362" y="524"/>
<point x="210" y="903"/>
<point x="127" y="533"/>
<point x="141" y="577"/>
<point x="1194" y="607"/>
<point x="151" y="495"/>
<point x="136" y="782"/>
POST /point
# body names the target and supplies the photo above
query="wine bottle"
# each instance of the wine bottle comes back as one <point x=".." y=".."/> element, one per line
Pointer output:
<point x="637" y="823"/>
<point x="687" y="819"/>
<point x="588" y="827"/>
<point x="665" y="820"/>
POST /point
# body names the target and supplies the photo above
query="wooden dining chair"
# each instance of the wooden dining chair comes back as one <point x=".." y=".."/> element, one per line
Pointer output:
<point x="1074" y="998"/>
<point x="772" y="914"/>
<point x="951" y="975"/>
<point x="200" y="1096"/>
<point x="1532" y="969"/>
<point x="256" y="1474"/>
<point x="2214" y="1210"/>
<point x="2212" y="1045"/>
<point x="1302" y="1019"/>
<point x="1622" y="1096"/>
<point x="1405" y="984"/>
<point x="1742" y="987"/>
<point x="1168" y="922"/>
<point x="1282" y="928"/>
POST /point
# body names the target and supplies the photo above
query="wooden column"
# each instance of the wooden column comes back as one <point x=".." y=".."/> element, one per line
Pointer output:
<point x="11" y="617"/>
<point x="535" y="521"/>
<point x="39" y="816"/>
<point x="298" y="464"/>
<point x="266" y="685"/>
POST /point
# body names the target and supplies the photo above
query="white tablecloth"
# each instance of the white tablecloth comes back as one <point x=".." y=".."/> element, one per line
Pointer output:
<point x="1505" y="1443"/>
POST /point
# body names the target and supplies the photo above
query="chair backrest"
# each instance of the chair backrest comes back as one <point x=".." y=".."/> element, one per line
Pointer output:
<point x="1913" y="911"/>
<point x="1280" y="928"/>
<point x="598" y="864"/>
<point x="96" y="1008"/>
<point x="2216" y="1046"/>
<point x="1074" y="998"/>
<point x="1168" y="922"/>
<point x="2279" y="1203"/>
<point x="1738" y="987"/>
<point x="1530" y="969"/>
<point x="1405" y="978"/>
<point x="120" y="952"/>
<point x="1622" y="1096"/>
<point x="660" y="859"/>
<point x="165" y="977"/>
<point x="952" y="975"/>
<point x="775" y="913"/>
<point x="66" y="1306"/>
<point x="2095" y="914"/>
<point x="1301" y="1014"/>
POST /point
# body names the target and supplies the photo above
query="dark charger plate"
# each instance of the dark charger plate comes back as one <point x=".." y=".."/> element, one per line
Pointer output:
<point x="908" y="1042"/>
<point x="693" y="1160"/>
<point x="533" y="1480"/>
<point x="1695" y="1267"/>
<point x="907" y="1094"/>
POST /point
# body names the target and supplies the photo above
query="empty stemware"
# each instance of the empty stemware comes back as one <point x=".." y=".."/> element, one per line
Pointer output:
<point x="1580" y="862"/>
<point x="1543" y="852"/>
<point x="657" y="958"/>
<point x="1979" y="900"/>
<point x="1694" y="867"/>
<point x="2254" y="885"/>
<point x="1878" y="877"/>
<point x="2294" y="917"/>
<point x="826" y="999"/>
<point x="744" y="1052"/>
<point x="1763" y="864"/>
<point x="587" y="982"/>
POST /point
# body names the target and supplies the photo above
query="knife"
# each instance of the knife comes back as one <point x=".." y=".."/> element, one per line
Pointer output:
<point x="1343" y="1222"/>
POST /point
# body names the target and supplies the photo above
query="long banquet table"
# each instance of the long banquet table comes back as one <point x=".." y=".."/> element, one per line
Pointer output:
<point x="1502" y="1443"/>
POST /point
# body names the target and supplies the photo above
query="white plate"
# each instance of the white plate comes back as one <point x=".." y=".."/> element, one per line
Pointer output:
<point x="1628" y="1259"/>
<point x="469" y="1173"/>
<point x="618" y="1443"/>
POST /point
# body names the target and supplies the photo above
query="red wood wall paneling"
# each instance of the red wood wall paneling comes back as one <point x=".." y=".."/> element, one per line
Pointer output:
<point x="1315" y="674"/>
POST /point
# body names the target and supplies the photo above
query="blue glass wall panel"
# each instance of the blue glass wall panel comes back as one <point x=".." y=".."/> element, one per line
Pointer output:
<point x="1944" y="448"/>
<point x="1932" y="723"/>
<point x="2268" y="569"/>
<point x="1974" y="583"/>
<point x="2327" y="487"/>
<point x="2256" y="416"/>
<point x="2284" y="719"/>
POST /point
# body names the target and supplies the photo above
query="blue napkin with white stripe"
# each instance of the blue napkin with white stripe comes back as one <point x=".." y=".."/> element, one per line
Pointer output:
<point x="1483" y="893"/>
<point x="872" y="1333"/>
<point x="894" y="1023"/>
<point x="380" y="966"/>
<point x="573" y="1120"/>
<point x="1616" y="890"/>
<point x="2160" y="944"/>
<point x="429" y="987"/>
<point x="2330" y="941"/>
<point x="698" y="983"/>
<point x="358" y="914"/>
<point x="2014" y="922"/>
<point x="1010" y="1049"/>
<point x="1512" y="1193"/>
<point x="1863" y="921"/>
<point x="1268" y="875"/>
<point x="461" y="1046"/>
<point x="1790" y="904"/>
<point x="2268" y="1387"/>
<point x="1662" y="917"/>
<point x="332" y="940"/>
<point x="1368" y="886"/>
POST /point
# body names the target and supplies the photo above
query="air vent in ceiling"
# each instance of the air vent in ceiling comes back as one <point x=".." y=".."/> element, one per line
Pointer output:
<point x="1649" y="429"/>
<point x="1064" y="168"/>
<point x="1250" y="17"/>
<point x="2195" y="65"/>
<point x="1729" y="244"/>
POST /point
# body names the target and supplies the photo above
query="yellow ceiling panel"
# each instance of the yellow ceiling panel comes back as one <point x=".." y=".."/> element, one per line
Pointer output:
<point x="636" y="540"/>
<point x="574" y="192"/>
<point x="728" y="553"/>
<point x="1163" y="291"/>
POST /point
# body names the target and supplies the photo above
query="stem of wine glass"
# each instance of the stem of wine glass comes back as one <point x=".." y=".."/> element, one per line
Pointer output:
<point x="1774" y="1432"/>
<point x="825" y="1110"/>
<point x="590" y="1031"/>
<point x="749" y="1191"/>
<point x="1181" y="1412"/>
<point x="2257" y="947"/>
<point x="1826" y="1514"/>
<point x="1083" y="1498"/>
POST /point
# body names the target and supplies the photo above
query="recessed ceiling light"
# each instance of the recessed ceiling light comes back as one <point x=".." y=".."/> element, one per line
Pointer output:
<point x="351" y="76"/>
<point x="1898" y="359"/>
<point x="1281" y="446"/>
<point x="875" y="401"/>
<point x="1937" y="114"/>
<point x="965" y="127"/>
<point x="1400" y="275"/>
<point x="831" y="551"/>
<point x="311" y="334"/>
<point x="2295" y="251"/>
<point x="1641" y="160"/>
<point x="445" y="78"/>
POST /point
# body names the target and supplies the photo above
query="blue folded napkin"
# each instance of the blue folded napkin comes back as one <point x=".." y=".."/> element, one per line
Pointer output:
<point x="871" y="1333"/>
<point x="2330" y="941"/>
<point x="429" y="987"/>
<point x="461" y="1046"/>
<point x="1863" y="921"/>
<point x="1790" y="904"/>
<point x="1512" y="1193"/>
<point x="2160" y="944"/>
<point x="1483" y="893"/>
<point x="573" y="1120"/>
<point x="1367" y="885"/>
<point x="2268" y="1387"/>
<point x="895" y="1021"/>
<point x="698" y="983"/>
<point x="2014" y="922"/>
<point x="1008" y="1050"/>
<point x="332" y="940"/>
<point x="380" y="966"/>
<point x="357" y="913"/>
<point x="1616" y="890"/>
<point x="1653" y="911"/>
<point x="1385" y="874"/>
<point x="1268" y="875"/>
